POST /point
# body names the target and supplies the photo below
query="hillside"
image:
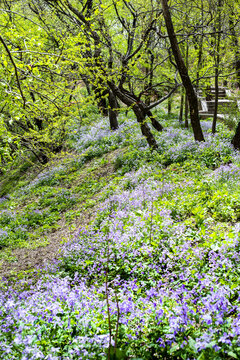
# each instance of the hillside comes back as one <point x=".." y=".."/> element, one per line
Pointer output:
<point x="113" y="251"/>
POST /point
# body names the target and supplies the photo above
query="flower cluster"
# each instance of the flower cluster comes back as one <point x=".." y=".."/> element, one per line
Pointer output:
<point x="155" y="275"/>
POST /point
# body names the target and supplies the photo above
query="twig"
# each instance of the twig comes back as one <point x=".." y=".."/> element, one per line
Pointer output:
<point x="15" y="69"/>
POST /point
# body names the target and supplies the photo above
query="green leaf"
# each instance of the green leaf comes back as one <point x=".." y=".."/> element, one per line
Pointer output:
<point x="201" y="356"/>
<point x="232" y="354"/>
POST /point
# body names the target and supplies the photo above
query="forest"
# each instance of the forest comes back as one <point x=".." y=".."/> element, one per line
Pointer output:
<point x="120" y="179"/>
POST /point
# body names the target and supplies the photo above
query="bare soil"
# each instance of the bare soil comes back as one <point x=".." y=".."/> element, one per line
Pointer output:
<point x="29" y="259"/>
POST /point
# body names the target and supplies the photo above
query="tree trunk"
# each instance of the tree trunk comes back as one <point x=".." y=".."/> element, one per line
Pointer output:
<point x="169" y="105"/>
<point x="186" y="112"/>
<point x="138" y="108"/>
<point x="217" y="61"/>
<point x="200" y="49"/>
<point x="214" y="123"/>
<point x="186" y="124"/>
<point x="149" y="74"/>
<point x="236" y="139"/>
<point x="101" y="101"/>
<point x="235" y="44"/>
<point x="156" y="124"/>
<point x="181" y="107"/>
<point x="192" y="97"/>
<point x="112" y="113"/>
<point x="141" y="119"/>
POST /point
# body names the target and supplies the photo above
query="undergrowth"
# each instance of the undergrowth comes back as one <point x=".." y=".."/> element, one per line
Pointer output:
<point x="156" y="273"/>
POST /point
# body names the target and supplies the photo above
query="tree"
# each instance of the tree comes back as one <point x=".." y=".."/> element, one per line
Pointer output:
<point x="81" y="21"/>
<point x="118" y="49"/>
<point x="217" y="40"/>
<point x="191" y="94"/>
<point x="236" y="139"/>
<point x="233" y="11"/>
<point x="115" y="51"/>
<point x="34" y="96"/>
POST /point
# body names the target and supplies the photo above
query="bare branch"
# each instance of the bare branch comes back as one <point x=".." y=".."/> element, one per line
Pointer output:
<point x="163" y="98"/>
<point x="15" y="69"/>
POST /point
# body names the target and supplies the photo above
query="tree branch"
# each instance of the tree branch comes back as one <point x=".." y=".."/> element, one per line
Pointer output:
<point x="163" y="98"/>
<point x="15" y="69"/>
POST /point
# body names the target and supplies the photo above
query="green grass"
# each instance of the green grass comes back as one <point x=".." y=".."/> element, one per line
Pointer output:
<point x="163" y="218"/>
<point x="65" y="188"/>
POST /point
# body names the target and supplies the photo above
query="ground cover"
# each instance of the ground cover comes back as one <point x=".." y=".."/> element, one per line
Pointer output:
<point x="155" y="275"/>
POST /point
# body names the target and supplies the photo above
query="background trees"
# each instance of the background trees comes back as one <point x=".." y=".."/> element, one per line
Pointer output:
<point x="35" y="89"/>
<point x="121" y="52"/>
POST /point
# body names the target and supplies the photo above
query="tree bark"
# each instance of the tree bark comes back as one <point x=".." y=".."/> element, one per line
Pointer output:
<point x="236" y="139"/>
<point x="200" y="49"/>
<point x="214" y="123"/>
<point x="156" y="124"/>
<point x="129" y="100"/>
<point x="169" y="105"/>
<point x="186" y="112"/>
<point x="112" y="112"/>
<point x="144" y="127"/>
<point x="235" y="44"/>
<point x="181" y="107"/>
<point x="100" y="96"/>
<point x="192" y="97"/>
<point x="217" y="61"/>
<point x="186" y="123"/>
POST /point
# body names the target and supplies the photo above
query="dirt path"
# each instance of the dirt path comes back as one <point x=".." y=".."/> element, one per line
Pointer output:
<point x="28" y="259"/>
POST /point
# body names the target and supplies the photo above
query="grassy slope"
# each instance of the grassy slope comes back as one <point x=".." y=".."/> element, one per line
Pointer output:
<point x="38" y="203"/>
<point x="162" y="244"/>
<point x="59" y="197"/>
